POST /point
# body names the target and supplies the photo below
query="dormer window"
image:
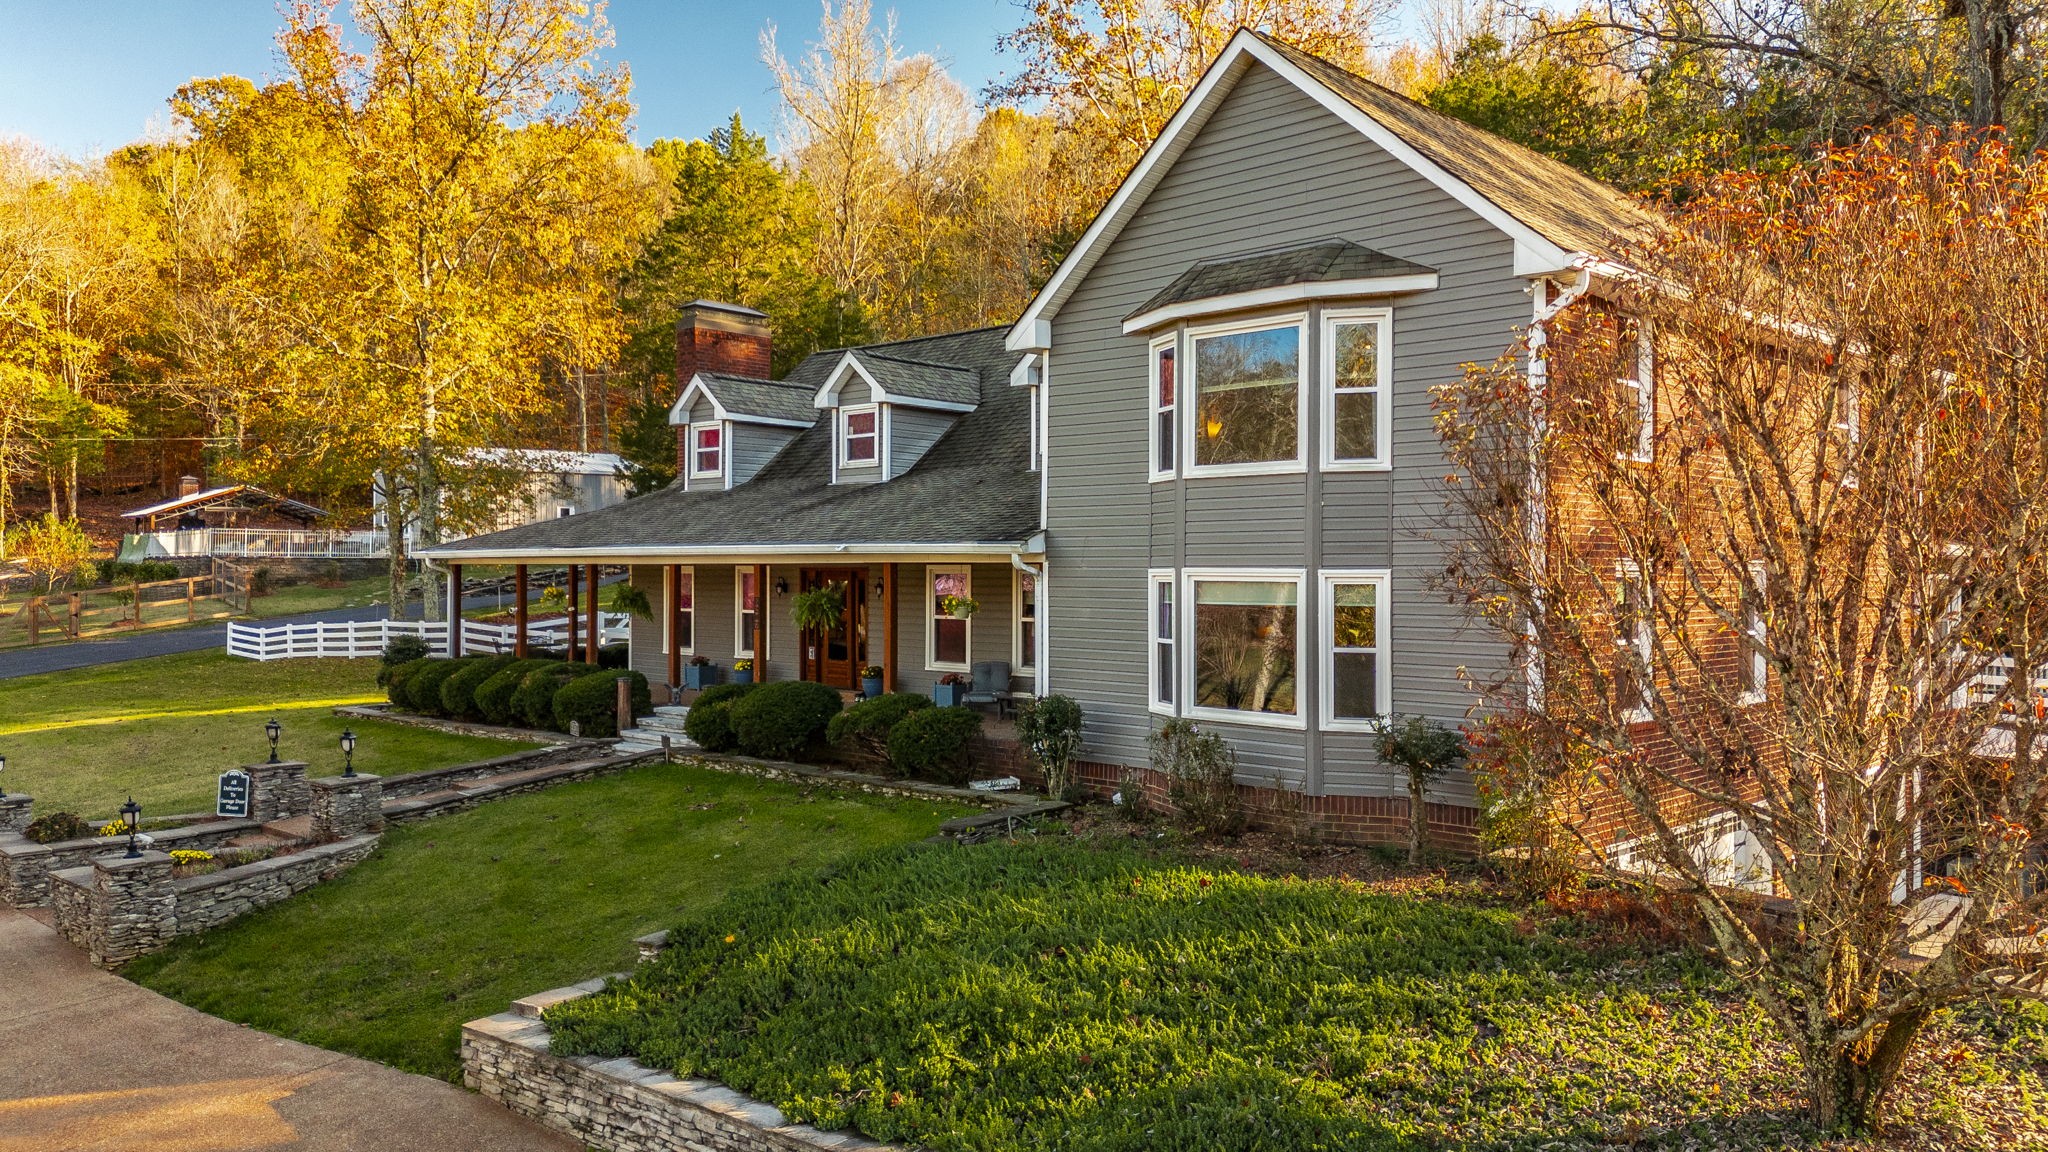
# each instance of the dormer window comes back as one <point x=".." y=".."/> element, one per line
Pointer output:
<point x="707" y="450"/>
<point x="859" y="437"/>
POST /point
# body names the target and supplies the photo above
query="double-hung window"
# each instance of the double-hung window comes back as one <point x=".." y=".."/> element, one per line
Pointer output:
<point x="681" y="587"/>
<point x="1164" y="385"/>
<point x="1358" y="364"/>
<point x="707" y="450"/>
<point x="1756" y="669"/>
<point x="1161" y="669"/>
<point x="1848" y="428"/>
<point x="1634" y="671"/>
<point x="948" y="644"/>
<point x="1638" y="392"/>
<point x="1354" y="665"/>
<point x="746" y="609"/>
<point x="1245" y="414"/>
<point x="1243" y="650"/>
<point x="860" y="437"/>
<point x="1024" y="638"/>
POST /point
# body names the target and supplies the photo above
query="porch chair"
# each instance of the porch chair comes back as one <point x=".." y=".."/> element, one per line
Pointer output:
<point x="991" y="686"/>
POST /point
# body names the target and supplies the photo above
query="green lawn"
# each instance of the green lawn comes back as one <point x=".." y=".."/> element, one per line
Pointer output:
<point x="455" y="918"/>
<point x="293" y="599"/>
<point x="163" y="729"/>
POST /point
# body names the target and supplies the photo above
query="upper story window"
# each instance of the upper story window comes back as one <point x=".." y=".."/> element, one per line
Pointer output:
<point x="1358" y="360"/>
<point x="1165" y="381"/>
<point x="1639" y="394"/>
<point x="860" y="437"/>
<point x="1246" y="411"/>
<point x="707" y="450"/>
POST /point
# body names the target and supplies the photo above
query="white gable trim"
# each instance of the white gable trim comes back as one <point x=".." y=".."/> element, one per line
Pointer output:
<point x="678" y="412"/>
<point x="828" y="392"/>
<point x="1282" y="294"/>
<point x="1534" y="255"/>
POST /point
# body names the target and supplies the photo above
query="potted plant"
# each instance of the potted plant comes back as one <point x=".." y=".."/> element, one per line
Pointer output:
<point x="959" y="607"/>
<point x="818" y="609"/>
<point x="743" y="671"/>
<point x="871" y="681"/>
<point x="951" y="689"/>
<point x="700" y="673"/>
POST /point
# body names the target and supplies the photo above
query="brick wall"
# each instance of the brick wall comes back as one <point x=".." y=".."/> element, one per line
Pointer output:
<point x="1366" y="820"/>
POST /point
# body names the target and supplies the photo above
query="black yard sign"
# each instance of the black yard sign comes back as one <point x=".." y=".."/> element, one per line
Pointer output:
<point x="234" y="795"/>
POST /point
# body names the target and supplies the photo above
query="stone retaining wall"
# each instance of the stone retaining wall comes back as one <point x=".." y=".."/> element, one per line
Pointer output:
<point x="26" y="866"/>
<point x="621" y="1106"/>
<point x="441" y="779"/>
<point x="217" y="897"/>
<point x="463" y="796"/>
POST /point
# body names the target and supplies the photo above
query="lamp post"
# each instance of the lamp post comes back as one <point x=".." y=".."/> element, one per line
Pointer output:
<point x="3" y="770"/>
<point x="348" y="752"/>
<point x="273" y="729"/>
<point x="131" y="812"/>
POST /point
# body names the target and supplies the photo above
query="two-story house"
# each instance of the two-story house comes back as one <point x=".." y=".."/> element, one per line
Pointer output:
<point x="1197" y="478"/>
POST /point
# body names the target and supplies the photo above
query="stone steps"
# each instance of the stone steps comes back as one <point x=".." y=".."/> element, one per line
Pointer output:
<point x="666" y="720"/>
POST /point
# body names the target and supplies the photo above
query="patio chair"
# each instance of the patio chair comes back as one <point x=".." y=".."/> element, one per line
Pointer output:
<point x="991" y="686"/>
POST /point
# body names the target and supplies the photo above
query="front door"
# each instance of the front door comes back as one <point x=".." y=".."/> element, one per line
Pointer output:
<point x="835" y="656"/>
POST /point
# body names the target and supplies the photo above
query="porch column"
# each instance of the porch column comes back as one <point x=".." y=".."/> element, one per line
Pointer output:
<point x="762" y="595"/>
<point x="888" y="627"/>
<point x="570" y="632"/>
<point x="519" y="611"/>
<point x="590" y="620"/>
<point x="454" y="610"/>
<point x="673" y="580"/>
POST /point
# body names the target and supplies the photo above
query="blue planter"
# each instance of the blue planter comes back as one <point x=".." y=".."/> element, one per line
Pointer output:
<point x="743" y="675"/>
<point x="948" y="695"/>
<point x="871" y="686"/>
<point x="697" y="677"/>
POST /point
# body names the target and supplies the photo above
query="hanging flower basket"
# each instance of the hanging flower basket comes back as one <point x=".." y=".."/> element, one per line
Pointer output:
<point x="959" y="607"/>
<point x="819" y="609"/>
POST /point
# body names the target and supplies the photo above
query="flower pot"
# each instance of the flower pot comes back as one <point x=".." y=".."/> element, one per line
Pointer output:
<point x="743" y="675"/>
<point x="697" y="677"/>
<point x="871" y="686"/>
<point x="948" y="695"/>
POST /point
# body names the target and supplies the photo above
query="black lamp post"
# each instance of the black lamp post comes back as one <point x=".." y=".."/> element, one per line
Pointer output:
<point x="273" y="730"/>
<point x="348" y="752"/>
<point x="3" y="769"/>
<point x="131" y="812"/>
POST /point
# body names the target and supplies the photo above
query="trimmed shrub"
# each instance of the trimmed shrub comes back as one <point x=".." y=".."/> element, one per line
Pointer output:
<point x="709" y="723"/>
<point x="593" y="702"/>
<point x="458" y="692"/>
<point x="614" y="656"/>
<point x="863" y="730"/>
<point x="494" y="696"/>
<point x="398" y="682"/>
<point x="423" y="690"/>
<point x="1201" y="777"/>
<point x="534" y="702"/>
<point x="776" y="720"/>
<point x="401" y="650"/>
<point x="932" y="744"/>
<point x="57" y="826"/>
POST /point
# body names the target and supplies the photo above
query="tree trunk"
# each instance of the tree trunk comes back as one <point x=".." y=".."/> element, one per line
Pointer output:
<point x="1418" y="816"/>
<point x="1848" y="1088"/>
<point x="428" y="489"/>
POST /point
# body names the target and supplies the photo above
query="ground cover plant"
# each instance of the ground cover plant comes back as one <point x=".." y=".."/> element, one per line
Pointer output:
<point x="1058" y="994"/>
<point x="164" y="728"/>
<point x="455" y="918"/>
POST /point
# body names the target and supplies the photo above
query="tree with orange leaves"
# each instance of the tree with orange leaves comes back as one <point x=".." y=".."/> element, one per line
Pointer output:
<point x="1767" y="516"/>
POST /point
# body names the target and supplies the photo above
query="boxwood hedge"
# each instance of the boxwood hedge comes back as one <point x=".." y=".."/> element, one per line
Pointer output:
<point x="494" y="695"/>
<point x="709" y="723"/>
<point x="933" y="744"/>
<point x="775" y="721"/>
<point x="863" y="729"/>
<point x="592" y="702"/>
<point x="458" y="691"/>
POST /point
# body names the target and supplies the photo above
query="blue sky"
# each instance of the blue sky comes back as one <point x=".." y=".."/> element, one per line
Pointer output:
<point x="85" y="76"/>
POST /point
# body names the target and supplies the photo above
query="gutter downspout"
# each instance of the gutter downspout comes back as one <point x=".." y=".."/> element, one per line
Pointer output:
<point x="1038" y="642"/>
<point x="1546" y="310"/>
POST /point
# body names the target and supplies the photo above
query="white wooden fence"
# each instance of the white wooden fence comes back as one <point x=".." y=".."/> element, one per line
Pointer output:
<point x="368" y="637"/>
<point x="307" y="542"/>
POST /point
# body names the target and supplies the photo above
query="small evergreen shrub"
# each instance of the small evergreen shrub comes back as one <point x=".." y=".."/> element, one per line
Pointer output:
<point x="776" y="720"/>
<point x="534" y="702"/>
<point x="401" y="650"/>
<point x="494" y="696"/>
<point x="398" y="682"/>
<point x="1201" y="777"/>
<point x="614" y="655"/>
<point x="458" y="692"/>
<point x="863" y="730"/>
<point x="57" y="826"/>
<point x="709" y="723"/>
<point x="593" y="702"/>
<point x="424" y="688"/>
<point x="932" y="744"/>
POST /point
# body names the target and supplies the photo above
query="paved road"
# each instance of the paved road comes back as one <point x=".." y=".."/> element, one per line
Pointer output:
<point x="92" y="1063"/>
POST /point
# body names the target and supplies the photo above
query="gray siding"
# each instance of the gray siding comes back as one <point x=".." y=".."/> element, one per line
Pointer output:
<point x="912" y="432"/>
<point x="753" y="446"/>
<point x="1270" y="168"/>
<point x="855" y="391"/>
<point x="711" y="626"/>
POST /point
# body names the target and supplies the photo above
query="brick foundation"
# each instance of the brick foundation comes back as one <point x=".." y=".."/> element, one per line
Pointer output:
<point x="1364" y="820"/>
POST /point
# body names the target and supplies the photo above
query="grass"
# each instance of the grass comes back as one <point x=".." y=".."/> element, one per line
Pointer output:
<point x="455" y="918"/>
<point x="164" y="728"/>
<point x="294" y="599"/>
<point x="1067" y="995"/>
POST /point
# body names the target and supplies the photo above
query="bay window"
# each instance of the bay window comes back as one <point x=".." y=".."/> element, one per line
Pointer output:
<point x="1355" y="690"/>
<point x="1244" y="646"/>
<point x="1358" y="361"/>
<point x="948" y="644"/>
<point x="1246" y="411"/>
<point x="1164" y="384"/>
<point x="1161" y="671"/>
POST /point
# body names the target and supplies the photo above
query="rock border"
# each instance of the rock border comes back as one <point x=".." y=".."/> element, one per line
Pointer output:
<point x="387" y="714"/>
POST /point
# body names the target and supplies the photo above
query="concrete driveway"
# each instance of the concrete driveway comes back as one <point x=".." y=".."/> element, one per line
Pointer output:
<point x="92" y="1063"/>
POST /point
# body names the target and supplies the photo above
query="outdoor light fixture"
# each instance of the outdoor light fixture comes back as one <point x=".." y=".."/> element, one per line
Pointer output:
<point x="273" y="730"/>
<point x="131" y="813"/>
<point x="782" y="586"/>
<point x="348" y="751"/>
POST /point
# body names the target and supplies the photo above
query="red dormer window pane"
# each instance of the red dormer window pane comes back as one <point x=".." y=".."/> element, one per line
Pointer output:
<point x="860" y="437"/>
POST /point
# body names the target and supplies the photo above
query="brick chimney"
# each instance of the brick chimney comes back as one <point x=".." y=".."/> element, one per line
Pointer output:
<point x="715" y="337"/>
<point x="188" y="486"/>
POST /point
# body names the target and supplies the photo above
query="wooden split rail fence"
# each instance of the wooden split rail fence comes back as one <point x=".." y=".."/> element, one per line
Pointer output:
<point x="120" y="607"/>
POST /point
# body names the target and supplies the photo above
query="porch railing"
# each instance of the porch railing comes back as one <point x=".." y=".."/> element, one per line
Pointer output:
<point x="312" y="543"/>
<point x="356" y="638"/>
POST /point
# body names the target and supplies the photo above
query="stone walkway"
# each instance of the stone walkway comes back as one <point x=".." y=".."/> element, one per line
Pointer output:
<point x="92" y="1063"/>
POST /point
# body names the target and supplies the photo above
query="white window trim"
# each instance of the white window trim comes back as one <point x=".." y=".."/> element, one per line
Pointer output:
<point x="1154" y="578"/>
<point x="743" y="639"/>
<point x="1756" y="673"/>
<point x="1187" y="397"/>
<point x="1849" y="422"/>
<point x="1383" y="457"/>
<point x="1026" y="657"/>
<point x="1644" y="385"/>
<point x="840" y="440"/>
<point x="1185" y="642"/>
<point x="1629" y="572"/>
<point x="724" y="441"/>
<point x="668" y="614"/>
<point x="1154" y="409"/>
<point x="931" y="630"/>
<point x="1326" y="644"/>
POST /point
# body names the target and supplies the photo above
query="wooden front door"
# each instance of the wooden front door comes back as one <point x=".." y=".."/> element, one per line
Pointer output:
<point x="835" y="656"/>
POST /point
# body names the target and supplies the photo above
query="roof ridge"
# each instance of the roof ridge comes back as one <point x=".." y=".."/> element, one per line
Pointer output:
<point x="916" y="339"/>
<point x="754" y="380"/>
<point x="911" y="360"/>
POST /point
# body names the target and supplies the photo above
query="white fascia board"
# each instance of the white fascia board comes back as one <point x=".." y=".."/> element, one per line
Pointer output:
<point x="670" y="553"/>
<point x="1029" y="335"/>
<point x="1282" y="294"/>
<point x="828" y="392"/>
<point x="1025" y="374"/>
